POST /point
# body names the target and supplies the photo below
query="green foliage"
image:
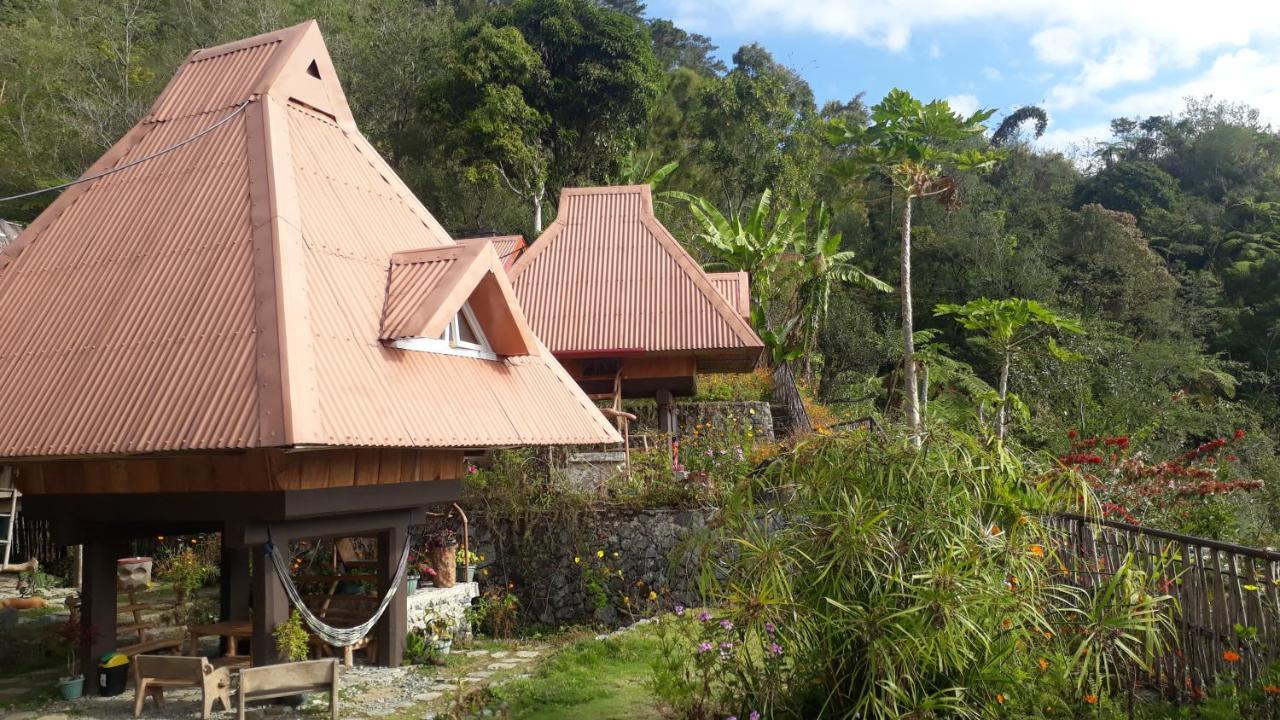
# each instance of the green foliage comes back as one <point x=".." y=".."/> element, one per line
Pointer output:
<point x="292" y="639"/>
<point x="895" y="582"/>
<point x="734" y="387"/>
<point x="187" y="567"/>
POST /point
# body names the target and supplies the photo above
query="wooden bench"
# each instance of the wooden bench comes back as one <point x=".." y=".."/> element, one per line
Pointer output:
<point x="151" y="646"/>
<point x="153" y="673"/>
<point x="273" y="681"/>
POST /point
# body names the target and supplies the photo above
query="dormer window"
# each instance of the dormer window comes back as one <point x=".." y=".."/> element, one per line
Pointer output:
<point x="462" y="336"/>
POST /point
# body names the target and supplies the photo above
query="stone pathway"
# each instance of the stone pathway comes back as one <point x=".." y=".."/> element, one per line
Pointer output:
<point x="366" y="692"/>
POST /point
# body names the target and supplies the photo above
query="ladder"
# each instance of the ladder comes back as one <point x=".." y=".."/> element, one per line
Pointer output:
<point x="8" y="512"/>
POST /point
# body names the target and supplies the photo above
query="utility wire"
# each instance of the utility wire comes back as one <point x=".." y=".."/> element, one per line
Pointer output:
<point x="139" y="161"/>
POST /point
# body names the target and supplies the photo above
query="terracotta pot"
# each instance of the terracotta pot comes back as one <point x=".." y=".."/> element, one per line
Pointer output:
<point x="445" y="562"/>
<point x="29" y="603"/>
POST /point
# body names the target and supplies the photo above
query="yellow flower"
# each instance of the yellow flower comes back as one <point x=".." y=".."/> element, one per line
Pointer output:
<point x="653" y="595"/>
<point x="599" y="553"/>
<point x="577" y="560"/>
<point x="1250" y="588"/>
<point x="485" y="572"/>
<point x="615" y="553"/>
<point x="626" y="600"/>
<point x="1044" y="664"/>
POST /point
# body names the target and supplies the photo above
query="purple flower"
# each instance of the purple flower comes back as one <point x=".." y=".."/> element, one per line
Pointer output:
<point x="754" y="715"/>
<point x="775" y="648"/>
<point x="726" y="649"/>
<point x="727" y="624"/>
<point x="732" y="717"/>
<point x="770" y="628"/>
<point x="710" y="452"/>
<point x="679" y="609"/>
<point x="738" y="452"/>
<point x="704" y="647"/>
<point x="704" y="616"/>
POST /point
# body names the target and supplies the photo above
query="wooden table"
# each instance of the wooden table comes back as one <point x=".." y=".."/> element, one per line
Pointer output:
<point x="232" y="630"/>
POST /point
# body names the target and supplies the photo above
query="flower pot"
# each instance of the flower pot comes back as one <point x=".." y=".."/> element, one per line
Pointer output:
<point x="469" y="573"/>
<point x="443" y="646"/>
<point x="71" y="688"/>
<point x="133" y="573"/>
<point x="445" y="562"/>
<point x="425" y="582"/>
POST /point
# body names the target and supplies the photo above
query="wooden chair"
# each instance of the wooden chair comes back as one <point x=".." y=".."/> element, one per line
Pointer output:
<point x="273" y="681"/>
<point x="153" y="673"/>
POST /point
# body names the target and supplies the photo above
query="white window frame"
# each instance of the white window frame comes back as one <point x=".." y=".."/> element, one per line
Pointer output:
<point x="451" y="342"/>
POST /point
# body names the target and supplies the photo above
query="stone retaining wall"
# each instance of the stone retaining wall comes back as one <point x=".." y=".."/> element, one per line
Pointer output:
<point x="554" y="590"/>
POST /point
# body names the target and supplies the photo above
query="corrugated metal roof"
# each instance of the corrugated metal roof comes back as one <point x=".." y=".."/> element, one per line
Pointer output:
<point x="508" y="247"/>
<point x="606" y="275"/>
<point x="229" y="294"/>
<point x="735" y="288"/>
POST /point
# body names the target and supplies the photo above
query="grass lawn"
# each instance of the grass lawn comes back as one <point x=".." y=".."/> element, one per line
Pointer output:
<point x="588" y="679"/>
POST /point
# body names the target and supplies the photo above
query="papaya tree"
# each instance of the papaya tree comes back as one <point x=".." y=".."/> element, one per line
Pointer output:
<point x="917" y="147"/>
<point x="1006" y="327"/>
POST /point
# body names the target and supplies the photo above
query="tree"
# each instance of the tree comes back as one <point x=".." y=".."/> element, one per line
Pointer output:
<point x="824" y="266"/>
<point x="914" y="145"/>
<point x="1008" y="127"/>
<point x="544" y="94"/>
<point x="1007" y="326"/>
<point x="676" y="48"/>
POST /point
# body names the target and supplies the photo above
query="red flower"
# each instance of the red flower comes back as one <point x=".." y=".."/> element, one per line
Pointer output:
<point x="1073" y="434"/>
<point x="1239" y="435"/>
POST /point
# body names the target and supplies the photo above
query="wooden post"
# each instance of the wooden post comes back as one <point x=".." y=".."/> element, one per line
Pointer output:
<point x="98" y="606"/>
<point x="234" y="588"/>
<point x="666" y="412"/>
<point x="394" y="625"/>
<point x="270" y="607"/>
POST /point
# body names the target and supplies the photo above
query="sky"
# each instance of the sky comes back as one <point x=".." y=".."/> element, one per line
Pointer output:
<point x="1083" y="61"/>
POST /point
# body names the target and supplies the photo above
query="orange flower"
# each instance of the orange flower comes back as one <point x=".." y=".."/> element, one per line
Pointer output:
<point x="1006" y="623"/>
<point x="1000" y="698"/>
<point x="1271" y="689"/>
<point x="1230" y="656"/>
<point x="1044" y="664"/>
<point x="995" y="530"/>
<point x="1091" y="699"/>
<point x="1037" y="550"/>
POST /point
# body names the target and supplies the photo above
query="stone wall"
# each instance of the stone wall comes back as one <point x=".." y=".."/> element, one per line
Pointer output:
<point x="553" y="589"/>
<point x="758" y="413"/>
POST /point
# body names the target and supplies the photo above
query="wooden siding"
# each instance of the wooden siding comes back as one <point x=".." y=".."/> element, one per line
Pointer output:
<point x="250" y="471"/>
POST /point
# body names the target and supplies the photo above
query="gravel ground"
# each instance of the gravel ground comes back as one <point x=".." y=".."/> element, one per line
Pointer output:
<point x="365" y="692"/>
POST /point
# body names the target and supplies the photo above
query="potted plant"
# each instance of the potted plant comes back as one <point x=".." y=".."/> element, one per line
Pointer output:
<point x="73" y="637"/>
<point x="468" y="561"/>
<point x="428" y="577"/>
<point x="439" y="632"/>
<point x="442" y="545"/>
<point x="293" y="644"/>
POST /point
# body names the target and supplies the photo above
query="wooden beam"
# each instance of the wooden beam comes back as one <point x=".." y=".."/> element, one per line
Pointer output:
<point x="270" y="608"/>
<point x="98" y="606"/>
<point x="146" y="511"/>
<point x="393" y="626"/>
<point x="666" y="411"/>
<point x="251" y="534"/>
<point x="234" y="586"/>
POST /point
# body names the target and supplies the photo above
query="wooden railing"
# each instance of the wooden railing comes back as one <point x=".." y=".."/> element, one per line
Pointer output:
<point x="1227" y="612"/>
<point x="790" y="415"/>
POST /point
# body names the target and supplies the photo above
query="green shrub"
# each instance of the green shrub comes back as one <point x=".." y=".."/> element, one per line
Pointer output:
<point x="881" y="581"/>
<point x="735" y="387"/>
<point x="292" y="640"/>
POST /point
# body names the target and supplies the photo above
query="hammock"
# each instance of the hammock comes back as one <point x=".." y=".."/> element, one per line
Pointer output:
<point x="339" y="637"/>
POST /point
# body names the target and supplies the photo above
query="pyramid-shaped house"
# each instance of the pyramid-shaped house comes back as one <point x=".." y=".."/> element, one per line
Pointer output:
<point x="624" y="306"/>
<point x="246" y="323"/>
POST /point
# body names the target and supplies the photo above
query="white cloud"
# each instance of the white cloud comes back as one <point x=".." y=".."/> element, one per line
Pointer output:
<point x="964" y="104"/>
<point x="992" y="74"/>
<point x="1101" y="44"/>
<point x="1057" y="46"/>
<point x="1243" y="76"/>
<point x="1074" y="140"/>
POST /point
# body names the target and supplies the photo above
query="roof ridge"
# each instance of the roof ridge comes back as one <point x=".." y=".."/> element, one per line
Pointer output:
<point x="265" y="38"/>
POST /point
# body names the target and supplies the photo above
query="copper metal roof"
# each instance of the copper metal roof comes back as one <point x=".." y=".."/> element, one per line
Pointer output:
<point x="508" y="247"/>
<point x="230" y="294"/>
<point x="734" y="287"/>
<point x="606" y="275"/>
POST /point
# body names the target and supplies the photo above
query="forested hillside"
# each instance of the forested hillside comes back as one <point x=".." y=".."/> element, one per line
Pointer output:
<point x="1163" y="244"/>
